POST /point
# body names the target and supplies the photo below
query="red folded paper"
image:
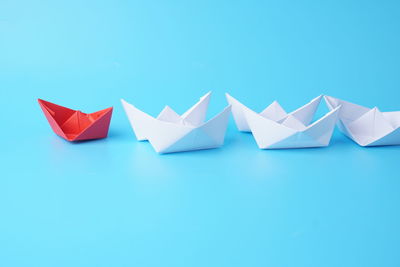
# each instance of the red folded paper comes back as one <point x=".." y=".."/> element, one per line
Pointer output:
<point x="74" y="125"/>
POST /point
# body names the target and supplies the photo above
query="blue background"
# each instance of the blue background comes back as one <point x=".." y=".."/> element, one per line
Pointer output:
<point x="115" y="202"/>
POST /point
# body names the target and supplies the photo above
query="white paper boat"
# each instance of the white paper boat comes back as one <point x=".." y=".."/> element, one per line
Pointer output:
<point x="367" y="126"/>
<point x="170" y="132"/>
<point x="275" y="128"/>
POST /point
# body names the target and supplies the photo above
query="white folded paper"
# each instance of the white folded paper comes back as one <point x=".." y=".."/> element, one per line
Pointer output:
<point x="367" y="126"/>
<point x="275" y="128"/>
<point x="170" y="132"/>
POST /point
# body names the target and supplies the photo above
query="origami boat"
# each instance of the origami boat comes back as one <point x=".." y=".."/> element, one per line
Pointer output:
<point x="170" y="132"/>
<point x="74" y="125"/>
<point x="367" y="126"/>
<point x="275" y="128"/>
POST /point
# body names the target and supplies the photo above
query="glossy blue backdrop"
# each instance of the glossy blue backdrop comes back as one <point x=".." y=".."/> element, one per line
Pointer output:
<point x="115" y="202"/>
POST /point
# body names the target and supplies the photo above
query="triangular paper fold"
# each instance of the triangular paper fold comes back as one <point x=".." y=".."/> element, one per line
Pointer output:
<point x="74" y="125"/>
<point x="170" y="132"/>
<point x="366" y="126"/>
<point x="275" y="128"/>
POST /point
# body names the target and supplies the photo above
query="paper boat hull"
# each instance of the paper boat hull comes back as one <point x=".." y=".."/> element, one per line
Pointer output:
<point x="73" y="125"/>
<point x="210" y="135"/>
<point x="366" y="126"/>
<point x="166" y="136"/>
<point x="274" y="128"/>
<point x="271" y="135"/>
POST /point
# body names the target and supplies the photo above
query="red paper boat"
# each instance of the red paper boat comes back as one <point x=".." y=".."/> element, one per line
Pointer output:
<point x="74" y="125"/>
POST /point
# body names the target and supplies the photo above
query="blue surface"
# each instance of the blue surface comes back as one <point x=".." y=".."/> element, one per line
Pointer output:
<point x="115" y="202"/>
